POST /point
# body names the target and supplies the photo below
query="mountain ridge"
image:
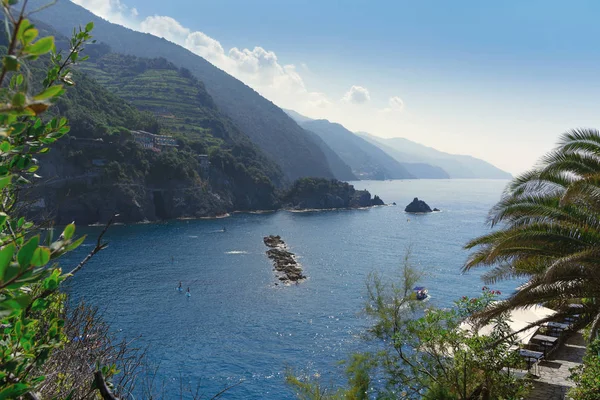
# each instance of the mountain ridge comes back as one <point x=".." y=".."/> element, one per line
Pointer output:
<point x="266" y="124"/>
<point x="458" y="166"/>
<point x="366" y="160"/>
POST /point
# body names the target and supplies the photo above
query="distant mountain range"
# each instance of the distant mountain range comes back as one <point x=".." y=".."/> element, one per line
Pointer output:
<point x="372" y="157"/>
<point x="456" y="166"/>
<point x="366" y="160"/>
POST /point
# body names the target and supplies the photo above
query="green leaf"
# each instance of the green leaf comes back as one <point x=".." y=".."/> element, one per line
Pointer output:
<point x="50" y="283"/>
<point x="42" y="46"/>
<point x="18" y="128"/>
<point x="69" y="231"/>
<point x="15" y="303"/>
<point x="13" y="391"/>
<point x="6" y="255"/>
<point x="89" y="27"/>
<point x="11" y="63"/>
<point x="40" y="304"/>
<point x="41" y="257"/>
<point x="25" y="254"/>
<point x="18" y="100"/>
<point x="5" y="181"/>
<point x="52" y="91"/>
<point x="76" y="243"/>
<point x="23" y="26"/>
<point x="29" y="35"/>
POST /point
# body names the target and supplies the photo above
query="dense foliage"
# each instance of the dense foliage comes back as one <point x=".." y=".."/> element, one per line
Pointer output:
<point x="549" y="232"/>
<point x="587" y="376"/>
<point x="31" y="324"/>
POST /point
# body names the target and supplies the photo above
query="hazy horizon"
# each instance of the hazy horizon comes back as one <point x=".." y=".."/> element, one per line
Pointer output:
<point x="499" y="82"/>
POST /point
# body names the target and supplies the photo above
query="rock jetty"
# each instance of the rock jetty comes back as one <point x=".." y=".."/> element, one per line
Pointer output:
<point x="284" y="261"/>
<point x="419" y="206"/>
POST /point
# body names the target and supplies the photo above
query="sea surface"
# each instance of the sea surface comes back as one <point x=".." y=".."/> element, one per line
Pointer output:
<point x="238" y="325"/>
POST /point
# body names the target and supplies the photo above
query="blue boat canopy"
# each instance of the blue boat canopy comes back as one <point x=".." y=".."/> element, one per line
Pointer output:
<point x="418" y="288"/>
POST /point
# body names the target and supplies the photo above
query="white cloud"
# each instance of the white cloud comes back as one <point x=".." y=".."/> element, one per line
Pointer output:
<point x="205" y="46"/>
<point x="112" y="10"/>
<point x="165" y="27"/>
<point x="357" y="95"/>
<point x="395" y="104"/>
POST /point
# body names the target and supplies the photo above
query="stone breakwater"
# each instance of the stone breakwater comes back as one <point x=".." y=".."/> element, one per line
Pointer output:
<point x="284" y="261"/>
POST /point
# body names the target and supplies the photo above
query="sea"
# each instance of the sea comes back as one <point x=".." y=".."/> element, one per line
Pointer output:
<point x="239" y="327"/>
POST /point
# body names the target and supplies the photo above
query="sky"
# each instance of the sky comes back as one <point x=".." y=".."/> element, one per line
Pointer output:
<point x="498" y="80"/>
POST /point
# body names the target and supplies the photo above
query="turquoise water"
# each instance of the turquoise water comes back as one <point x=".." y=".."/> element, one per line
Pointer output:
<point x="237" y="324"/>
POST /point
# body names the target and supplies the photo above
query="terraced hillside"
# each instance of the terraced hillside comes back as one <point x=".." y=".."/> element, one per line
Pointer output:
<point x="176" y="97"/>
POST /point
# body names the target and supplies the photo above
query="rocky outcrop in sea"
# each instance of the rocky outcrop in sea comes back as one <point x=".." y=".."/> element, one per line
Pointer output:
<point x="419" y="206"/>
<point x="284" y="261"/>
<point x="325" y="194"/>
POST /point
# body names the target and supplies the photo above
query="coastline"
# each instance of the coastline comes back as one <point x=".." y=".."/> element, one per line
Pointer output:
<point x="255" y="212"/>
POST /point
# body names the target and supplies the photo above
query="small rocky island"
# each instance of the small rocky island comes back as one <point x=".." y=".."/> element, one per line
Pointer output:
<point x="323" y="194"/>
<point x="419" y="206"/>
<point x="284" y="261"/>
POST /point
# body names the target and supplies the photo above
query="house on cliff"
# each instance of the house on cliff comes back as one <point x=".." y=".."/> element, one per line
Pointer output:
<point x="153" y="142"/>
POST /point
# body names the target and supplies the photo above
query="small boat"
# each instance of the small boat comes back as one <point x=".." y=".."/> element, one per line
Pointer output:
<point x="420" y="292"/>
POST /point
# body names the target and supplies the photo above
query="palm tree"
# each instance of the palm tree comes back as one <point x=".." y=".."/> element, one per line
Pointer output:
<point x="548" y="224"/>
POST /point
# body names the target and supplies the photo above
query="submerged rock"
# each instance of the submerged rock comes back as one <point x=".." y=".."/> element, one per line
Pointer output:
<point x="418" y="206"/>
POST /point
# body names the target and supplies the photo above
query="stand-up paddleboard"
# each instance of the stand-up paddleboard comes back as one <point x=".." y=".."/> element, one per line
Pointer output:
<point x="188" y="294"/>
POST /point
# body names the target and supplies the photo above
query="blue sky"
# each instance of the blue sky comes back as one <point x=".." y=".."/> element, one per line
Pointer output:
<point x="499" y="80"/>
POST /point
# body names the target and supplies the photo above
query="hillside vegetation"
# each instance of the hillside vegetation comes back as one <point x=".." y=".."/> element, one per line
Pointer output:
<point x="99" y="170"/>
<point x="263" y="122"/>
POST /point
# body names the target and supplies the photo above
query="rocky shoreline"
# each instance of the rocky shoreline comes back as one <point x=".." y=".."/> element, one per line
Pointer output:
<point x="284" y="261"/>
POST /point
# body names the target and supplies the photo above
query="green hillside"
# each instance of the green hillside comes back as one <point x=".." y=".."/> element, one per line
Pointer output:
<point x="179" y="101"/>
<point x="99" y="170"/>
<point x="177" y="98"/>
<point x="267" y="126"/>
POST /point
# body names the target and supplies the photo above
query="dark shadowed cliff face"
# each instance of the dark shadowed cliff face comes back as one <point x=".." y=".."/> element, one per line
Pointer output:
<point x="90" y="181"/>
<point x="316" y="193"/>
<point x="263" y="122"/>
